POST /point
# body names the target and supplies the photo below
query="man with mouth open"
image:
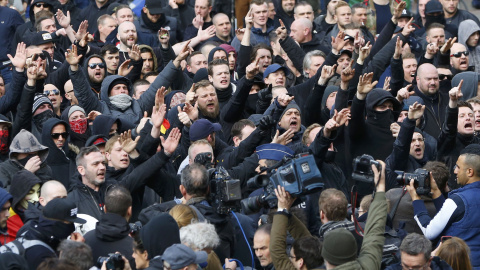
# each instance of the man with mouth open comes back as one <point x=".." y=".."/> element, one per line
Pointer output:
<point x="459" y="58"/>
<point x="458" y="131"/>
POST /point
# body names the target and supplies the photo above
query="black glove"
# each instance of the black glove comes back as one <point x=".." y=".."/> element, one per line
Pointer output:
<point x="265" y="94"/>
<point x="266" y="123"/>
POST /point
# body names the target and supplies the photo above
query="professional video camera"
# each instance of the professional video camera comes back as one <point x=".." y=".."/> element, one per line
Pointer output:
<point x="225" y="192"/>
<point x="421" y="178"/>
<point x="362" y="169"/>
<point x="114" y="261"/>
<point x="299" y="176"/>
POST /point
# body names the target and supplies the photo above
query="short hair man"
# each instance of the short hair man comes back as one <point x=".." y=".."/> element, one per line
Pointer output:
<point x="78" y="253"/>
<point x="359" y="14"/>
<point x="261" y="245"/>
<point x="284" y="11"/>
<point x="436" y="34"/>
<point x="110" y="235"/>
<point x="459" y="57"/>
<point x="139" y="87"/>
<point x="51" y="190"/>
<point x="196" y="61"/>
<point x="241" y="130"/>
<point x="454" y="15"/>
<point x="123" y="13"/>
<point x="457" y="220"/>
<point x="223" y="27"/>
<point x="111" y="55"/>
<point x="127" y="35"/>
<point x="312" y="62"/>
<point x="304" y="10"/>
<point x="106" y="24"/>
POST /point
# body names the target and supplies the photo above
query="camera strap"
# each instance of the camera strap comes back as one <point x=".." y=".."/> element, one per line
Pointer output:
<point x="353" y="203"/>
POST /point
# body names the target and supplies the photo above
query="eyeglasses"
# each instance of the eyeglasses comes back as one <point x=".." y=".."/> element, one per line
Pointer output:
<point x="95" y="65"/>
<point x="41" y="55"/>
<point x="445" y="76"/>
<point x="56" y="92"/>
<point x="57" y="135"/>
<point x="459" y="54"/>
<point x="40" y="5"/>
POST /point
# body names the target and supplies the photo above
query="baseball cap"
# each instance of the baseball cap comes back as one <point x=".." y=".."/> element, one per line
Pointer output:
<point x="406" y="14"/>
<point x="40" y="38"/>
<point x="201" y="128"/>
<point x="153" y="6"/>
<point x="179" y="256"/>
<point x="62" y="209"/>
<point x="273" y="68"/>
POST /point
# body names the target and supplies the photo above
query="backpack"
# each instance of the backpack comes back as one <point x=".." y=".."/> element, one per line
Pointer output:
<point x="20" y="245"/>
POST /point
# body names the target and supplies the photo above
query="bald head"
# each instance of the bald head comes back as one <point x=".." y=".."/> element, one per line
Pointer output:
<point x="461" y="62"/>
<point x="50" y="190"/>
<point x="427" y="79"/>
<point x="219" y="17"/>
<point x="301" y="30"/>
<point x="125" y="25"/>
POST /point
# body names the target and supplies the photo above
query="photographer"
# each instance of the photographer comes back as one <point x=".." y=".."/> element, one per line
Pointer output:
<point x="409" y="148"/>
<point x="453" y="217"/>
<point x="306" y="249"/>
<point x="371" y="252"/>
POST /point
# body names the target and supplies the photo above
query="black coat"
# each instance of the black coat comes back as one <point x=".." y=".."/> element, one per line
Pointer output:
<point x="110" y="235"/>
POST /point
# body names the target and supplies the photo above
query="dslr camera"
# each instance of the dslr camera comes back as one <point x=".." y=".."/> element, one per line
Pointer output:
<point x="362" y="169"/>
<point x="225" y="192"/>
<point x="299" y="176"/>
<point x="421" y="178"/>
<point x="114" y="261"/>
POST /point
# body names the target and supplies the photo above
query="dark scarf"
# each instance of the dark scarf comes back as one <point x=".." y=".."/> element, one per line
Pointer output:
<point x="224" y="95"/>
<point x="151" y="25"/>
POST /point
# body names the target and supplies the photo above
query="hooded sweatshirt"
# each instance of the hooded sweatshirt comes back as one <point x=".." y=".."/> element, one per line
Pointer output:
<point x="22" y="183"/>
<point x="465" y="30"/>
<point x="103" y="123"/>
<point x="74" y="138"/>
<point x="4" y="198"/>
<point x="470" y="83"/>
<point x="157" y="235"/>
<point x="62" y="161"/>
<point x="155" y="61"/>
<point x="24" y="142"/>
<point x="96" y="87"/>
<point x="110" y="235"/>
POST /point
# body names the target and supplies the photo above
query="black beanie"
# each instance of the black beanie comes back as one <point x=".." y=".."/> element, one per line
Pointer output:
<point x="339" y="247"/>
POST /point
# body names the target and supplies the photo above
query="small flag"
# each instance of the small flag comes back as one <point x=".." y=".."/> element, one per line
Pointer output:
<point x="165" y="126"/>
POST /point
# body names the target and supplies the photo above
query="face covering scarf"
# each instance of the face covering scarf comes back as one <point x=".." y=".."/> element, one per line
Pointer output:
<point x="79" y="126"/>
<point x="4" y="141"/>
<point x="121" y="101"/>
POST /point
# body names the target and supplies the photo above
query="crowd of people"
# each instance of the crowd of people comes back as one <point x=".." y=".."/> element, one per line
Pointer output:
<point x="155" y="134"/>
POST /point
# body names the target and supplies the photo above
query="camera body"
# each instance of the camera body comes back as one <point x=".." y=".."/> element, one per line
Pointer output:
<point x="362" y="168"/>
<point x="299" y="176"/>
<point x="421" y="178"/>
<point x="114" y="261"/>
<point x="135" y="227"/>
<point x="225" y="192"/>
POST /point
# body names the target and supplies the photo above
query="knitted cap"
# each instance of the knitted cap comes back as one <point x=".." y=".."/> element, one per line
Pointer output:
<point x="291" y="105"/>
<point x="75" y="108"/>
<point x="339" y="247"/>
<point x="40" y="99"/>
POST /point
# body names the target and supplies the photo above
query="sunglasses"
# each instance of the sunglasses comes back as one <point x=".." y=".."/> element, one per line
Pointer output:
<point x="459" y="54"/>
<point x="95" y="65"/>
<point x="41" y="55"/>
<point x="56" y="92"/>
<point x="40" y="5"/>
<point x="57" y="135"/>
<point x="445" y="76"/>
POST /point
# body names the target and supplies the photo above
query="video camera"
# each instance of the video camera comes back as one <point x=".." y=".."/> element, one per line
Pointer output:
<point x="299" y="176"/>
<point x="362" y="169"/>
<point x="421" y="178"/>
<point x="225" y="192"/>
<point x="114" y="261"/>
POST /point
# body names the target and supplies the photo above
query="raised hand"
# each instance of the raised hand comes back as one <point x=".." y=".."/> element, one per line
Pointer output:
<point x="285" y="200"/>
<point x="171" y="143"/>
<point x="455" y="94"/>
<point x="33" y="164"/>
<point x="285" y="138"/>
<point x="398" y="48"/>
<point x="158" y="115"/>
<point x="398" y="11"/>
<point x="348" y="73"/>
<point x="281" y="30"/>
<point x="192" y="111"/>
<point x="365" y="85"/>
<point x="125" y="140"/>
<point x="404" y="93"/>
<point x="284" y="99"/>
<point x="431" y="50"/>
<point x="327" y="73"/>
<point x="164" y="35"/>
<point x="252" y="70"/>
<point x="20" y="59"/>
<point x="415" y="111"/>
<point x="134" y="52"/>
<point x="249" y="19"/>
<point x="338" y="42"/>
<point x="173" y="4"/>
<point x="72" y="57"/>
<point x="395" y="129"/>
<point x="239" y="33"/>
<point x="123" y="69"/>
<point x="206" y="33"/>
<point x="191" y="96"/>
<point x="92" y="115"/>
<point x="183" y="117"/>
<point x="408" y="28"/>
<point x="184" y="53"/>
<point x="82" y="30"/>
<point x="364" y="52"/>
<point x="85" y="40"/>
<point x="142" y="122"/>
<point x="448" y="45"/>
<point x="63" y="20"/>
<point x="358" y="42"/>
<point x="342" y="117"/>
<point x="198" y="21"/>
<point x="386" y="83"/>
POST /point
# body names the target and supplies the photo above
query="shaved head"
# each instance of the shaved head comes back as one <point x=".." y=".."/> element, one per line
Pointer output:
<point x="427" y="79"/>
<point x="50" y="190"/>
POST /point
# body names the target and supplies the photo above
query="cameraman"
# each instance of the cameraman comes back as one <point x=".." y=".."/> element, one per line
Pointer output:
<point x="458" y="215"/>
<point x="305" y="253"/>
<point x="370" y="256"/>
<point x="408" y="149"/>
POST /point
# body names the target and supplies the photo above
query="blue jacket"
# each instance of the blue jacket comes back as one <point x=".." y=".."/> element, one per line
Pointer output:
<point x="257" y="36"/>
<point x="468" y="228"/>
<point x="437" y="264"/>
<point x="10" y="20"/>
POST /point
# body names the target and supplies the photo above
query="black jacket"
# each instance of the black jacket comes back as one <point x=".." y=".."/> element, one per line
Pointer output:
<point x="91" y="14"/>
<point x="436" y="264"/>
<point x="110" y="235"/>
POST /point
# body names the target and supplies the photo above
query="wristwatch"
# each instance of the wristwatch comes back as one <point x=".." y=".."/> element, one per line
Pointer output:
<point x="283" y="211"/>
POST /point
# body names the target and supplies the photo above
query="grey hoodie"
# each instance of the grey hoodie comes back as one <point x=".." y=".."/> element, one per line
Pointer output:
<point x="470" y="83"/>
<point x="465" y="30"/>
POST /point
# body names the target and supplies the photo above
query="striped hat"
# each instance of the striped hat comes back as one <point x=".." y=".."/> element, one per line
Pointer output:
<point x="40" y="99"/>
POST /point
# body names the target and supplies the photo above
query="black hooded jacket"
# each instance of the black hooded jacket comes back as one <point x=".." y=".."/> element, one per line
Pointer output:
<point x="103" y="124"/>
<point x="96" y="87"/>
<point x="12" y="261"/>
<point x="22" y="183"/>
<point x="372" y="135"/>
<point x="62" y="161"/>
<point x="110" y="235"/>
<point x="74" y="138"/>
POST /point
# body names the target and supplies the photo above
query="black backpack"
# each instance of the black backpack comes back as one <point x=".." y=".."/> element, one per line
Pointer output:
<point x="20" y="245"/>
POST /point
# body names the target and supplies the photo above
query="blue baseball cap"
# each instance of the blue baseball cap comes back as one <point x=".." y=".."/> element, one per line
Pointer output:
<point x="275" y="68"/>
<point x="201" y="128"/>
